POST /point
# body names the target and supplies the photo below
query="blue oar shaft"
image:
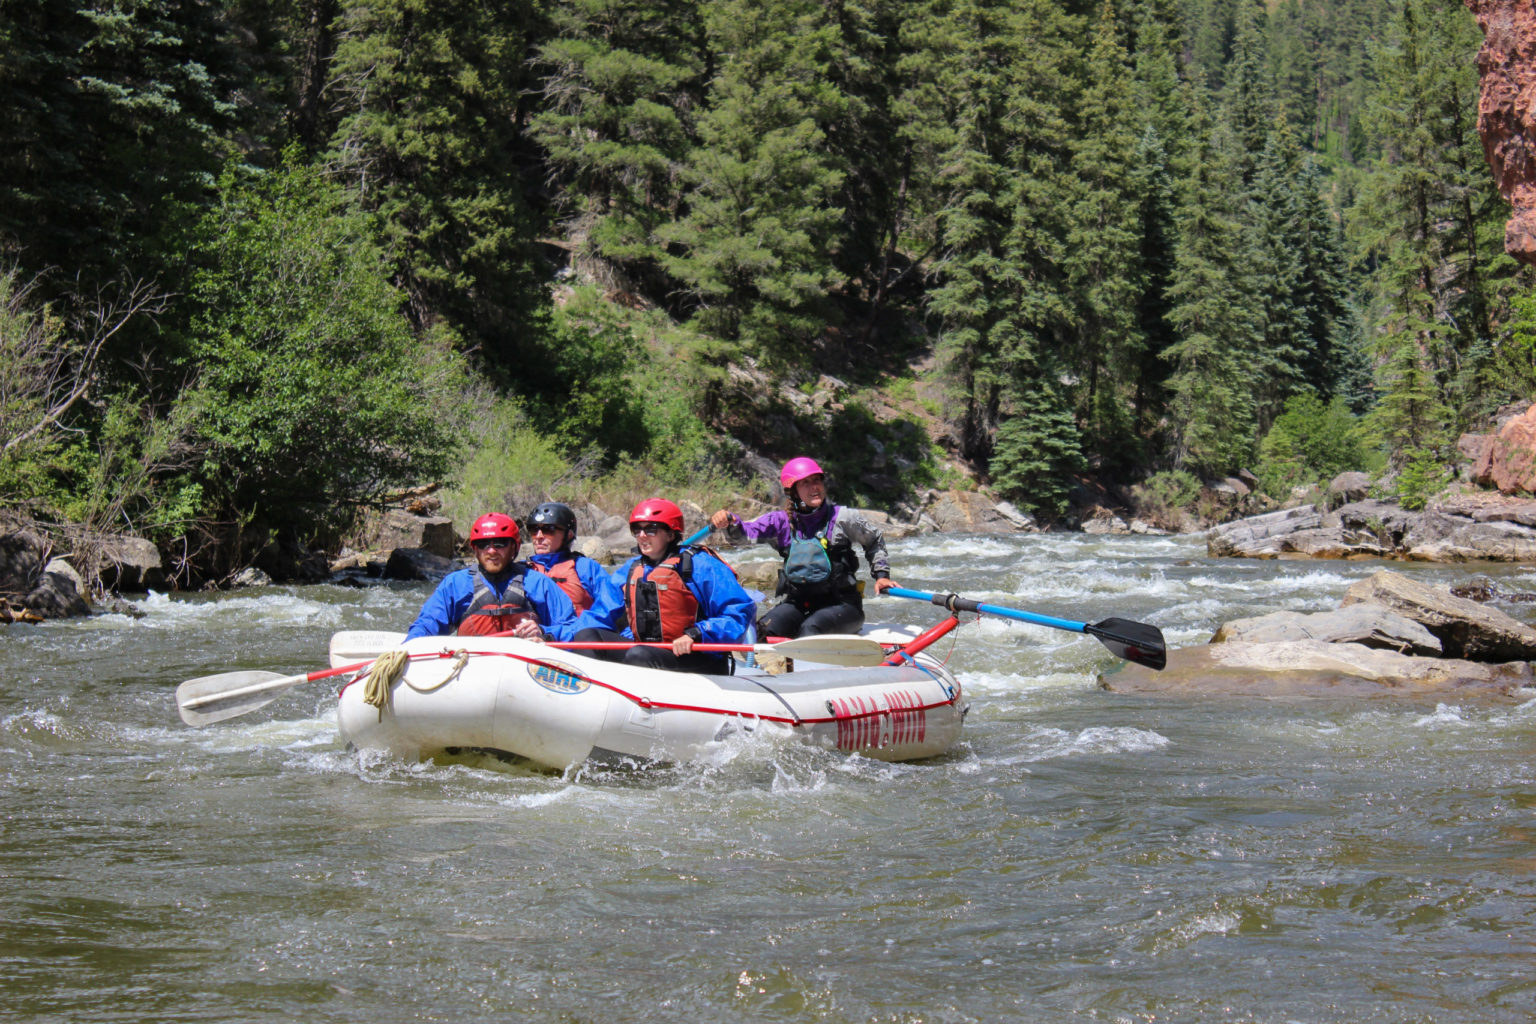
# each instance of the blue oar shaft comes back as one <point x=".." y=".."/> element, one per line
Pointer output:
<point x="954" y="603"/>
<point x="700" y="535"/>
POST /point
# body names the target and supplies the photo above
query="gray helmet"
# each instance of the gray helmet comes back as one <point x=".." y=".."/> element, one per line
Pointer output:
<point x="552" y="513"/>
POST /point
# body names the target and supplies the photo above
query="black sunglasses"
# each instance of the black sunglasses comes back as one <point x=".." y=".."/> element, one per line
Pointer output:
<point x="636" y="529"/>
<point x="543" y="528"/>
<point x="499" y="542"/>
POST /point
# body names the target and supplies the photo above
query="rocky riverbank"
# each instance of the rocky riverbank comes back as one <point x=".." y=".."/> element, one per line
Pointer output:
<point x="1391" y="637"/>
<point x="1483" y="526"/>
<point x="44" y="575"/>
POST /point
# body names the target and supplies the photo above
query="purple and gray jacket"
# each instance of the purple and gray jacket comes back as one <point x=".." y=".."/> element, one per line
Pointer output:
<point x="779" y="528"/>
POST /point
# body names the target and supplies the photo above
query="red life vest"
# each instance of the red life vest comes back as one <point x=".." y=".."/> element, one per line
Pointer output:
<point x="661" y="607"/>
<point x="564" y="574"/>
<point x="488" y="613"/>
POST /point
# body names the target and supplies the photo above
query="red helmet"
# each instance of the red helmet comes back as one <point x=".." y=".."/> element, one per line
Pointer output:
<point x="658" y="510"/>
<point x="797" y="469"/>
<point x="493" y="525"/>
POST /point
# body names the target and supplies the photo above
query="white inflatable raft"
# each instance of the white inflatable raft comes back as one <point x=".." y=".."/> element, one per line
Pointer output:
<point x="560" y="708"/>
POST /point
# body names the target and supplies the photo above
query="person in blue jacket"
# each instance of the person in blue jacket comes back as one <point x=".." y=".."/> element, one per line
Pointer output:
<point x="597" y="600"/>
<point x="674" y="595"/>
<point x="497" y="595"/>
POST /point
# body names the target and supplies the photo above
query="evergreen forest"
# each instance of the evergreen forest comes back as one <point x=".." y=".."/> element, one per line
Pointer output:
<point x="264" y="264"/>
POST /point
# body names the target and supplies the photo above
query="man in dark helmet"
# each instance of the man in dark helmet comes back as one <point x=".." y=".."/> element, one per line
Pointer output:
<point x="674" y="594"/>
<point x="551" y="529"/>
<point x="497" y="594"/>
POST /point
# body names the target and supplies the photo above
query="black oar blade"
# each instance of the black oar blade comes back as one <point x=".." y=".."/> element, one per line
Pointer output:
<point x="1133" y="641"/>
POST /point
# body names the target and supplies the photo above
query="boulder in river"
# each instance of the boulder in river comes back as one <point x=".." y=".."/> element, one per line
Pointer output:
<point x="1466" y="629"/>
<point x="1315" y="668"/>
<point x="1370" y="625"/>
<point x="29" y="592"/>
<point x="417" y="564"/>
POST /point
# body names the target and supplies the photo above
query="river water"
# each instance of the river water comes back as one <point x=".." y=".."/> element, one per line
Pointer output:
<point x="1078" y="856"/>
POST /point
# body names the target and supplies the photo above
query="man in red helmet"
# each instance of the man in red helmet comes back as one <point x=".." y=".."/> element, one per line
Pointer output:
<point x="496" y="595"/>
<point x="674" y="595"/>
<point x="816" y="539"/>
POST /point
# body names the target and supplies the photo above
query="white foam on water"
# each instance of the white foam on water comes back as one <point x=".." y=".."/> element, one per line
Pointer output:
<point x="1444" y="715"/>
<point x="1048" y="743"/>
<point x="273" y="608"/>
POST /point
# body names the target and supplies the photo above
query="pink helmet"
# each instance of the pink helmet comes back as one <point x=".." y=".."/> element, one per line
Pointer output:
<point x="797" y="469"/>
<point x="658" y="510"/>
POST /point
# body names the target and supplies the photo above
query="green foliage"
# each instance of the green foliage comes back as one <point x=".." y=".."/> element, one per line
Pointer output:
<point x="1512" y="370"/>
<point x="1424" y="475"/>
<point x="314" y="392"/>
<point x="1429" y="222"/>
<point x="34" y="353"/>
<point x="431" y="138"/>
<point x="507" y="464"/>
<point x="116" y="114"/>
<point x="1038" y="452"/>
<point x="1309" y="442"/>
<point x="1118" y="224"/>
<point x="753" y="247"/>
<point x="618" y="82"/>
<point x="1165" y="496"/>
<point x="581" y="389"/>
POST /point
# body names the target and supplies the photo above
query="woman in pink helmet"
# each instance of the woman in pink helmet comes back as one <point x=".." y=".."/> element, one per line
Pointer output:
<point x="816" y="539"/>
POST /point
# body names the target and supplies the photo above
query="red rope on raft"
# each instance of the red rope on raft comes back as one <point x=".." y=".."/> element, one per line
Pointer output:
<point x="645" y="702"/>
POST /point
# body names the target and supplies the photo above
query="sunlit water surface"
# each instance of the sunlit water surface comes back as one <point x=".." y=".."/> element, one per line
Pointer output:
<point x="1078" y="856"/>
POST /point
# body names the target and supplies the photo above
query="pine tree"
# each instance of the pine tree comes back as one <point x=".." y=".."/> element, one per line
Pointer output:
<point x="111" y="117"/>
<point x="1426" y="217"/>
<point x="618" y="81"/>
<point x="753" y="248"/>
<point x="432" y="139"/>
<point x="1212" y="383"/>
<point x="1001" y="215"/>
<point x="1104" y="246"/>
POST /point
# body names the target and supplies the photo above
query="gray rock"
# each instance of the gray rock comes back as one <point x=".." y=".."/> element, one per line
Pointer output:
<point x="54" y="597"/>
<point x="401" y="529"/>
<point x="972" y="512"/>
<point x="62" y="567"/>
<point x="1476" y="542"/>
<point x="1260" y="536"/>
<point x="1369" y="625"/>
<point x="22" y="555"/>
<point x="251" y="577"/>
<point x="592" y="547"/>
<point x="1349" y="487"/>
<point x="1313" y="668"/>
<point x="129" y="564"/>
<point x="417" y="564"/>
<point x="1465" y="628"/>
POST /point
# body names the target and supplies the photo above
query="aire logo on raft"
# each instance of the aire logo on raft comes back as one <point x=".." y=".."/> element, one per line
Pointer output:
<point x="557" y="677"/>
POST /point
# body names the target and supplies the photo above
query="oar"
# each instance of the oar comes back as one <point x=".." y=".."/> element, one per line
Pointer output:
<point x="829" y="649"/>
<point x="1133" y="641"/>
<point x="698" y="536"/>
<point x="208" y="699"/>
<point x="355" y="645"/>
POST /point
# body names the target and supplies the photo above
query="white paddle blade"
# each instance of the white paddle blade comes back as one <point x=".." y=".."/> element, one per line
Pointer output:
<point x="348" y="648"/>
<point x="209" y="699"/>
<point x="830" y="649"/>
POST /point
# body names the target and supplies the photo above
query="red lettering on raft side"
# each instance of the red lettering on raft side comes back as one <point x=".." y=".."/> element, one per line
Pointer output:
<point x="865" y="725"/>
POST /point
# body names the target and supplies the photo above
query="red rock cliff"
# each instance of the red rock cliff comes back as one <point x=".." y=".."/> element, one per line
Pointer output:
<point x="1506" y="113"/>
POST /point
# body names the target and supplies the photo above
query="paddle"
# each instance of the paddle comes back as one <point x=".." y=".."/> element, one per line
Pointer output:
<point x="1133" y="641"/>
<point x="830" y="649"/>
<point x="209" y="699"/>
